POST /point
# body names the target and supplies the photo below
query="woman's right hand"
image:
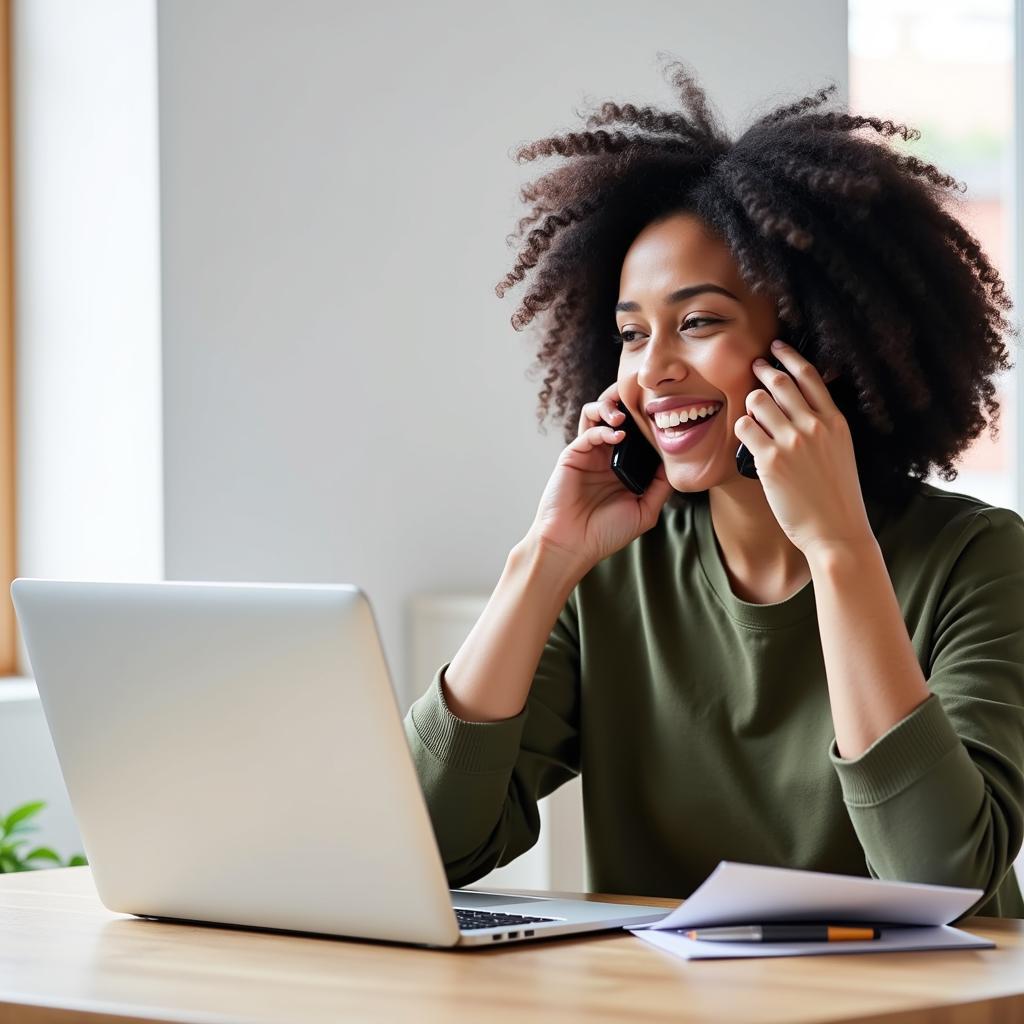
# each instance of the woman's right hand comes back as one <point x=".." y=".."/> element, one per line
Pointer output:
<point x="586" y="513"/>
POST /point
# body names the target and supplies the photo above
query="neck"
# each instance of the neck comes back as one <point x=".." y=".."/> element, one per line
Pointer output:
<point x="760" y="560"/>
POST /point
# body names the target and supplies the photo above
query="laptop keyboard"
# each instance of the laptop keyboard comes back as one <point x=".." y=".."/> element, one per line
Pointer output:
<point x="470" y="919"/>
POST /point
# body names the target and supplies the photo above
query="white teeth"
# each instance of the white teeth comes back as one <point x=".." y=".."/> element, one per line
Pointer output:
<point x="671" y="419"/>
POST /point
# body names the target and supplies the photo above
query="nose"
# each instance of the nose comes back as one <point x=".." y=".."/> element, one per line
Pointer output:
<point x="662" y="362"/>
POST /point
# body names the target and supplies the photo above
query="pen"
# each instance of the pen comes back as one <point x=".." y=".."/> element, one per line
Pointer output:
<point x="783" y="933"/>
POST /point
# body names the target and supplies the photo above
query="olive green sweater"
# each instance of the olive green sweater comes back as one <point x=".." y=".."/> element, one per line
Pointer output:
<point x="702" y="728"/>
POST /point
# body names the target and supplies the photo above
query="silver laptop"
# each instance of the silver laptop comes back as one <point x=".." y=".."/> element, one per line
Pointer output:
<point x="235" y="754"/>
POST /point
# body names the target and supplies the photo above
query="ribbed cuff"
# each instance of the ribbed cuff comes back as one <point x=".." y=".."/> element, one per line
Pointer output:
<point x="898" y="758"/>
<point x="478" y="747"/>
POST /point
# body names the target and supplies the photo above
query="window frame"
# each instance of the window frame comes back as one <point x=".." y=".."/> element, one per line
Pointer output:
<point x="1017" y="229"/>
<point x="8" y="548"/>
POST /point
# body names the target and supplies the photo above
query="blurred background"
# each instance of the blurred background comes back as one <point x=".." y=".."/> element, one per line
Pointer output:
<point x="249" y="252"/>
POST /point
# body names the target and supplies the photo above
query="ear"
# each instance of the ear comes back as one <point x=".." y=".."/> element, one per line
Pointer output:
<point x="830" y="375"/>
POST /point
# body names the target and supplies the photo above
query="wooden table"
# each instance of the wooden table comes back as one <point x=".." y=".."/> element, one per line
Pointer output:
<point x="64" y="957"/>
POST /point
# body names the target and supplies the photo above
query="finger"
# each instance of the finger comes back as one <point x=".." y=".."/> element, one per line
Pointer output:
<point x="588" y="417"/>
<point x="601" y="411"/>
<point x="612" y="413"/>
<point x="762" y="407"/>
<point x="595" y="436"/>
<point x="750" y="433"/>
<point x="783" y="389"/>
<point x="805" y="375"/>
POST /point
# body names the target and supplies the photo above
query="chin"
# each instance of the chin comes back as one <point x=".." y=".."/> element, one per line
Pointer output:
<point x="690" y="479"/>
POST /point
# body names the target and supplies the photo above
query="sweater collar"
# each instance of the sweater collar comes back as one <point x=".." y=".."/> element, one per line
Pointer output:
<point x="795" y="608"/>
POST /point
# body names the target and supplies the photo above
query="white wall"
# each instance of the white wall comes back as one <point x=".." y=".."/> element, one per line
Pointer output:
<point x="344" y="399"/>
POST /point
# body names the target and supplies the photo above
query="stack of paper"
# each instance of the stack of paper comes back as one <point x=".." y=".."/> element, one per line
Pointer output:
<point x="911" y="916"/>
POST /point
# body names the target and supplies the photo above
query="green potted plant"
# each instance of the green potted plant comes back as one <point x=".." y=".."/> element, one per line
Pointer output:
<point x="13" y="829"/>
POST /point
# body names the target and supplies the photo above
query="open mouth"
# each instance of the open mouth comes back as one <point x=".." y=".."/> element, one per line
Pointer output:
<point x="682" y="428"/>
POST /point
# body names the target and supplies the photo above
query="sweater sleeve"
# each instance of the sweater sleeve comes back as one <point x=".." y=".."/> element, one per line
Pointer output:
<point x="938" y="798"/>
<point x="482" y="780"/>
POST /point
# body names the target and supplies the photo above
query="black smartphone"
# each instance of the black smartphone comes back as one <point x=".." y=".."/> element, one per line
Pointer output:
<point x="634" y="459"/>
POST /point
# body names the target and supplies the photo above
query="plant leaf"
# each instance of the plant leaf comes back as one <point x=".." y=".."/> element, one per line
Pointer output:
<point x="43" y="853"/>
<point x="8" y="862"/>
<point x="23" y="812"/>
<point x="77" y="861"/>
<point x="22" y="828"/>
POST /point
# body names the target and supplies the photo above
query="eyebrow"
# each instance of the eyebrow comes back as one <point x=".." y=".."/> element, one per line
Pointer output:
<point x="678" y="296"/>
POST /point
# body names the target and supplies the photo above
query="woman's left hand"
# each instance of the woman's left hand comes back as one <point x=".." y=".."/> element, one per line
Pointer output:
<point x="804" y="454"/>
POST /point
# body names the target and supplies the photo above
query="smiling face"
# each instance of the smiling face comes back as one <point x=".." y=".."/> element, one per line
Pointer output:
<point x="692" y="345"/>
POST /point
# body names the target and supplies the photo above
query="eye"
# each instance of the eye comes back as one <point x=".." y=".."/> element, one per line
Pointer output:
<point x="623" y="337"/>
<point x="691" y="323"/>
<point x="698" y="321"/>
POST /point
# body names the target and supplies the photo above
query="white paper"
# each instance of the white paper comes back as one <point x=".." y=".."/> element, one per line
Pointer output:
<point x="892" y="940"/>
<point x="754" y="894"/>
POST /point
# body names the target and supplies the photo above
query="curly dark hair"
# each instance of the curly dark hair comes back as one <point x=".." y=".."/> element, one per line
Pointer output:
<point x="869" y="268"/>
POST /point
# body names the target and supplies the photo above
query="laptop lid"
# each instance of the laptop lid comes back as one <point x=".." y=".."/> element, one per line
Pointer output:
<point x="234" y="753"/>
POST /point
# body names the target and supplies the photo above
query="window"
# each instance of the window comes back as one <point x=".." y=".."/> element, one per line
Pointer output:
<point x="946" y="67"/>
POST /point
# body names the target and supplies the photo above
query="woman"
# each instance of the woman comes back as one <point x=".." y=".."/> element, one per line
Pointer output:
<point x="822" y="668"/>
